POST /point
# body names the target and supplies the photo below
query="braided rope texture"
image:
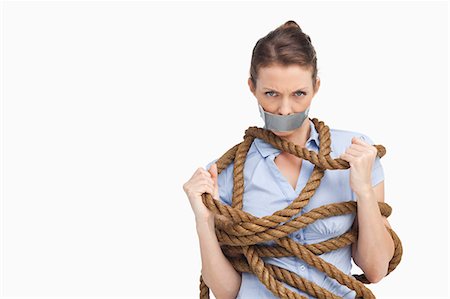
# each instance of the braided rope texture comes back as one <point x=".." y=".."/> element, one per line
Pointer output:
<point x="239" y="232"/>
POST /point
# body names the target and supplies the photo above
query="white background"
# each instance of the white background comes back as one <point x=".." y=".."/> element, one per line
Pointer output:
<point x="108" y="108"/>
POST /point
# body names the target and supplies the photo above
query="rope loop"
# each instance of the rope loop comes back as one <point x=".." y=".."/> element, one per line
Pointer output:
<point x="239" y="233"/>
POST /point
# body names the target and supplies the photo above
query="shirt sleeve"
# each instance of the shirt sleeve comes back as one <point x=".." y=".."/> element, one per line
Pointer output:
<point x="223" y="180"/>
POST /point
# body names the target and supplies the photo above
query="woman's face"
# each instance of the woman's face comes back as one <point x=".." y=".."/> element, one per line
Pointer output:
<point x="284" y="90"/>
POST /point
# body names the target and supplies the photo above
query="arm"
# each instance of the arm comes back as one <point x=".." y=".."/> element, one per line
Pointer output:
<point x="217" y="271"/>
<point x="375" y="247"/>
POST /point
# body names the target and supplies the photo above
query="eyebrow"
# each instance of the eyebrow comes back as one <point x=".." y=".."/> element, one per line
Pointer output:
<point x="301" y="88"/>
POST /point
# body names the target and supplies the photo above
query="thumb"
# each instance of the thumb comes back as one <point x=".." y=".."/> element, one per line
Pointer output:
<point x="213" y="172"/>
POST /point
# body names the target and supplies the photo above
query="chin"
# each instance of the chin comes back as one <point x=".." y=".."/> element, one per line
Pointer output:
<point x="283" y="133"/>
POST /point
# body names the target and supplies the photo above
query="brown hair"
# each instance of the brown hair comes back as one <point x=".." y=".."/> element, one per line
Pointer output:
<point x="285" y="45"/>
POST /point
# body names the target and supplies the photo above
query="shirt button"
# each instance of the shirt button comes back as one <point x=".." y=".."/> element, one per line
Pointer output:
<point x="302" y="268"/>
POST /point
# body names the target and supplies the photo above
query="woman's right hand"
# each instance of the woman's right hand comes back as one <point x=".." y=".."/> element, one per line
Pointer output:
<point x="202" y="181"/>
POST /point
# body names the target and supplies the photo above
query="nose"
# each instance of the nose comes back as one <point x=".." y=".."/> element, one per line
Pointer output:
<point x="285" y="107"/>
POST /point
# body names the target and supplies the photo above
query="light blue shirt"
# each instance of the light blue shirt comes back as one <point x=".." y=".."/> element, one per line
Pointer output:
<point x="266" y="191"/>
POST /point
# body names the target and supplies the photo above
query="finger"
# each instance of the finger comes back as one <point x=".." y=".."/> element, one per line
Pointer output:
<point x="214" y="192"/>
<point x="213" y="169"/>
<point x="359" y="140"/>
<point x="210" y="181"/>
<point x="213" y="172"/>
<point x="203" y="179"/>
<point x="358" y="147"/>
<point x="206" y="172"/>
<point x="215" y="180"/>
<point x="209" y="189"/>
<point x="206" y="176"/>
<point x="347" y="157"/>
<point x="353" y="152"/>
<point x="209" y="186"/>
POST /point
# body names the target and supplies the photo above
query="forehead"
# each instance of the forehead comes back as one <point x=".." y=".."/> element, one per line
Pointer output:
<point x="279" y="76"/>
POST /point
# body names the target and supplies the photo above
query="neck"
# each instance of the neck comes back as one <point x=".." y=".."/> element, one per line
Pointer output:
<point x="300" y="135"/>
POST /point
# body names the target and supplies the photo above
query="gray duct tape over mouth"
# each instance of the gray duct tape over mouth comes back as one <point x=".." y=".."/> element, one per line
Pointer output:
<point x="279" y="123"/>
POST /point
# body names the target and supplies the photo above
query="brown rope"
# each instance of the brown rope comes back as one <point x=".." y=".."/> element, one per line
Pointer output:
<point x="239" y="232"/>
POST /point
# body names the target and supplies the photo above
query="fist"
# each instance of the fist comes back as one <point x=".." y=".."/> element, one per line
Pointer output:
<point x="202" y="181"/>
<point x="361" y="156"/>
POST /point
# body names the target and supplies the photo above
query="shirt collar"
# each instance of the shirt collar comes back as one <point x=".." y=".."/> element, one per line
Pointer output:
<point x="265" y="149"/>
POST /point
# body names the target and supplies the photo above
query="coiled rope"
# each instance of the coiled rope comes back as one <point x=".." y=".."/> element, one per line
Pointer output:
<point x="239" y="232"/>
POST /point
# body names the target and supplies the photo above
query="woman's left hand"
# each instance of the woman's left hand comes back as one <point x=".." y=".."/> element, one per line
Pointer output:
<point x="361" y="156"/>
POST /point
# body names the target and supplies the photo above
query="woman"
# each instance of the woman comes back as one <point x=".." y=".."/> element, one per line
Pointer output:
<point x="283" y="78"/>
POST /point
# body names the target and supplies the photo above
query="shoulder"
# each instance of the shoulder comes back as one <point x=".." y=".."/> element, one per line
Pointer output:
<point x="342" y="139"/>
<point x="251" y="156"/>
<point x="225" y="181"/>
<point x="224" y="172"/>
<point x="226" y="177"/>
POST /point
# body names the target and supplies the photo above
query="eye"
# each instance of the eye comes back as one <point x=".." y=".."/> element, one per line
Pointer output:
<point x="298" y="92"/>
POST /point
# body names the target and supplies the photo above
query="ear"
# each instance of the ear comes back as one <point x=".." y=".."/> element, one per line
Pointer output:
<point x="250" y="85"/>
<point x="317" y="85"/>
